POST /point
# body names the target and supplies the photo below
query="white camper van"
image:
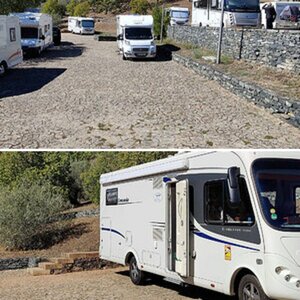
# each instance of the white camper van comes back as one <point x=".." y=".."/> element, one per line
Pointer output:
<point x="135" y="36"/>
<point x="236" y="13"/>
<point x="178" y="15"/>
<point x="81" y="25"/>
<point x="10" y="43"/>
<point x="228" y="221"/>
<point x="287" y="14"/>
<point x="36" y="31"/>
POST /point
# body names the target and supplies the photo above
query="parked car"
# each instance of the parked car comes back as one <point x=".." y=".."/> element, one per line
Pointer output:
<point x="56" y="36"/>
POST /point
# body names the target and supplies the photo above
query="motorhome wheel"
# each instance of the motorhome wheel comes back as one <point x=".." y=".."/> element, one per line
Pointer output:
<point x="124" y="57"/>
<point x="3" y="69"/>
<point x="250" y="289"/>
<point x="136" y="275"/>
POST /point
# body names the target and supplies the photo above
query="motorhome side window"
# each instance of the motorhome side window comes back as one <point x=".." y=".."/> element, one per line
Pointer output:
<point x="297" y="200"/>
<point x="13" y="36"/>
<point x="112" y="196"/>
<point x="218" y="208"/>
<point x="200" y="3"/>
<point x="216" y="4"/>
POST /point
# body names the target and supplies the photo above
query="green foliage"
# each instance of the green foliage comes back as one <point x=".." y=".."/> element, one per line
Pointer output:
<point x="113" y="6"/>
<point x="71" y="7"/>
<point x="54" y="7"/>
<point x="139" y="6"/>
<point x="157" y="15"/>
<point x="82" y="9"/>
<point x="112" y="161"/>
<point x="25" y="212"/>
<point x="9" y="6"/>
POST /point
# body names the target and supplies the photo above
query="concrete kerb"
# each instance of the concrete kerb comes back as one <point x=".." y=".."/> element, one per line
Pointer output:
<point x="290" y="108"/>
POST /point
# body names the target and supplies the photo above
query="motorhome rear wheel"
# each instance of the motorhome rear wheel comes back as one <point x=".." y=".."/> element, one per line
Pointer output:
<point x="136" y="275"/>
<point x="3" y="69"/>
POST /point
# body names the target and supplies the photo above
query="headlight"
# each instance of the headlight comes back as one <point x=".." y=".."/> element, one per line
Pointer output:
<point x="127" y="43"/>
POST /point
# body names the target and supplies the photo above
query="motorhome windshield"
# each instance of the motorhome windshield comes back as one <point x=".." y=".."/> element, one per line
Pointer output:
<point x="242" y="5"/>
<point x="180" y="14"/>
<point x="138" y="34"/>
<point x="88" y="23"/>
<point x="278" y="185"/>
<point x="29" y="33"/>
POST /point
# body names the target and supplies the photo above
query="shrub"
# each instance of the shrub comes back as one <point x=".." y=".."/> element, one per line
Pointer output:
<point x="157" y="15"/>
<point x="139" y="6"/>
<point x="71" y="7"/>
<point x="54" y="7"/>
<point x="25" y="214"/>
<point x="82" y="9"/>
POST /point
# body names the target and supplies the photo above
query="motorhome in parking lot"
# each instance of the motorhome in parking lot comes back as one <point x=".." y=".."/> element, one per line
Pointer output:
<point x="81" y="25"/>
<point x="36" y="31"/>
<point x="135" y="36"/>
<point x="10" y="43"/>
<point x="228" y="221"/>
<point x="178" y="15"/>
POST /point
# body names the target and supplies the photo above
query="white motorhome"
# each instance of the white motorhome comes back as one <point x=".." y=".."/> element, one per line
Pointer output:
<point x="287" y="14"/>
<point x="36" y="31"/>
<point x="178" y="15"/>
<point x="135" y="36"/>
<point x="236" y="13"/>
<point x="10" y="43"/>
<point x="228" y="221"/>
<point x="81" y="25"/>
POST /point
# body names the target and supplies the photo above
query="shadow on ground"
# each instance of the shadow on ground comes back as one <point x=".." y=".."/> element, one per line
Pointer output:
<point x="27" y="80"/>
<point x="192" y="292"/>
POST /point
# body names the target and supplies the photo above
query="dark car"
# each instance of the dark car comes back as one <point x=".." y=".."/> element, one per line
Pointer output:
<point x="56" y="36"/>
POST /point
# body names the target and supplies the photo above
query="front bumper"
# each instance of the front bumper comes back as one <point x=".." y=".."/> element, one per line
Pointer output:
<point x="140" y="52"/>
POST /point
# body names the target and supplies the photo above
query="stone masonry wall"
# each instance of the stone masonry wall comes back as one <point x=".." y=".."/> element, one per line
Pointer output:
<point x="275" y="48"/>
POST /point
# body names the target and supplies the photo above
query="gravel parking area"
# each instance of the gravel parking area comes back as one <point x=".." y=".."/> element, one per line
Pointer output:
<point x="100" y="284"/>
<point x="83" y="95"/>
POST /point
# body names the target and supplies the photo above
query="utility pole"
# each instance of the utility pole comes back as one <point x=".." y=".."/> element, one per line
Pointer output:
<point x="220" y="33"/>
<point x="162" y="22"/>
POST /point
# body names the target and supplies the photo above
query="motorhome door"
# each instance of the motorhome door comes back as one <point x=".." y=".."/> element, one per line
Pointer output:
<point x="182" y="228"/>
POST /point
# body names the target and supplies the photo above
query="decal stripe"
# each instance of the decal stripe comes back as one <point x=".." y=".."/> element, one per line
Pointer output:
<point x="205" y="236"/>
<point x="113" y="230"/>
<point x="15" y="54"/>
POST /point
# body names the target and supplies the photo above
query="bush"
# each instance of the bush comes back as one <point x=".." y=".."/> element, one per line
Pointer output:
<point x="82" y="9"/>
<point x="25" y="214"/>
<point x="71" y="7"/>
<point x="139" y="6"/>
<point x="54" y="7"/>
<point x="157" y="15"/>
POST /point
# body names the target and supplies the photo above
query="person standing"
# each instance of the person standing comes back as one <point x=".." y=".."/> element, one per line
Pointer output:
<point x="270" y="14"/>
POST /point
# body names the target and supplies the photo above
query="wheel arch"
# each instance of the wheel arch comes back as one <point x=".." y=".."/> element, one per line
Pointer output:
<point x="129" y="255"/>
<point x="236" y="278"/>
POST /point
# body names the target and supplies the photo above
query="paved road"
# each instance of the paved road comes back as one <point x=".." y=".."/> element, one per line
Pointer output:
<point x="103" y="284"/>
<point x="82" y="95"/>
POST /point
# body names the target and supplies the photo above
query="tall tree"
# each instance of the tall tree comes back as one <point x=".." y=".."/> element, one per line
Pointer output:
<point x="9" y="6"/>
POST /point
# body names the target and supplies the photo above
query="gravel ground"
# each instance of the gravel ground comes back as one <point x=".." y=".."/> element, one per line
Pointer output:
<point x="100" y="284"/>
<point x="82" y="95"/>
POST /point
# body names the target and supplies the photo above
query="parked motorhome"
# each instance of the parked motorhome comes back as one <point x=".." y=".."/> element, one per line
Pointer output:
<point x="135" y="36"/>
<point x="81" y="25"/>
<point x="287" y="14"/>
<point x="10" y="43"/>
<point x="236" y="13"/>
<point x="36" y="31"/>
<point x="178" y="15"/>
<point x="228" y="221"/>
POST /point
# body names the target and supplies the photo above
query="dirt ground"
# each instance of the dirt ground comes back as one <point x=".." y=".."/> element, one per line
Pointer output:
<point x="100" y="284"/>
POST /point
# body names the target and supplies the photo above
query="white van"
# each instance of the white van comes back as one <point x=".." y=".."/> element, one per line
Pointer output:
<point x="135" y="36"/>
<point x="228" y="221"/>
<point x="36" y="31"/>
<point x="178" y="15"/>
<point x="81" y="25"/>
<point x="10" y="43"/>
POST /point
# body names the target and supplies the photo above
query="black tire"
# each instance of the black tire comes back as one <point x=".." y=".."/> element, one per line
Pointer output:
<point x="124" y="57"/>
<point x="3" y="69"/>
<point x="136" y="275"/>
<point x="250" y="288"/>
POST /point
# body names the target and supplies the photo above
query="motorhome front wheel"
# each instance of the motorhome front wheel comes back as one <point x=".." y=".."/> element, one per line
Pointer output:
<point x="250" y="289"/>
<point x="3" y="69"/>
<point x="136" y="275"/>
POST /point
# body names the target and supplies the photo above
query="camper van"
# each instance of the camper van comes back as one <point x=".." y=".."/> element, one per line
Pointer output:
<point x="36" y="31"/>
<point x="135" y="36"/>
<point x="10" y="43"/>
<point x="236" y="13"/>
<point x="228" y="221"/>
<point x="287" y="14"/>
<point x="178" y="15"/>
<point x="81" y="25"/>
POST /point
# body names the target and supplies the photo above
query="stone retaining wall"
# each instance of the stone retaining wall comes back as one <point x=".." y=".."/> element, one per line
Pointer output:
<point x="18" y="263"/>
<point x="275" y="48"/>
<point x="252" y="92"/>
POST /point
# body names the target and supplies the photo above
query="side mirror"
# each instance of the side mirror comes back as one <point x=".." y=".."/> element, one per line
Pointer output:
<point x="43" y="37"/>
<point x="120" y="37"/>
<point x="233" y="185"/>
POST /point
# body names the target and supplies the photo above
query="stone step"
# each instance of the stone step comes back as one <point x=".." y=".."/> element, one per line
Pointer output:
<point x="62" y="260"/>
<point x="50" y="266"/>
<point x="38" y="271"/>
<point x="77" y="255"/>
